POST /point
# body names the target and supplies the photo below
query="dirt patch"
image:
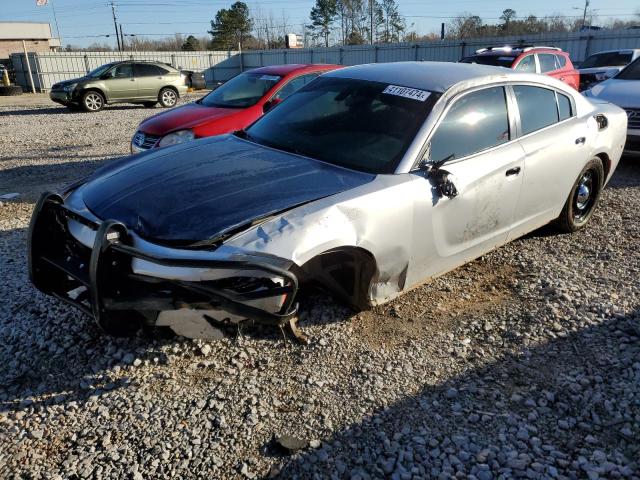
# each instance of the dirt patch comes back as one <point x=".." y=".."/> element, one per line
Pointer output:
<point x="475" y="289"/>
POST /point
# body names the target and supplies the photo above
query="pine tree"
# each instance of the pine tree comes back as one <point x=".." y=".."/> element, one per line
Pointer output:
<point x="322" y="16"/>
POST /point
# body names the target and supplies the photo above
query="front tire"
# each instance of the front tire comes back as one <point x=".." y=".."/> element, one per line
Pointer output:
<point x="92" y="101"/>
<point x="583" y="198"/>
<point x="168" y="97"/>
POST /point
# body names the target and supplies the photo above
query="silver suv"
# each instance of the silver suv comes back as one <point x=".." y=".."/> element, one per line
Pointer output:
<point x="146" y="83"/>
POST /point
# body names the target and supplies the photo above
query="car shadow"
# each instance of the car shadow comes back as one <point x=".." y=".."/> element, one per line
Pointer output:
<point x="546" y="401"/>
<point x="61" y="110"/>
<point x="627" y="173"/>
<point x="45" y="364"/>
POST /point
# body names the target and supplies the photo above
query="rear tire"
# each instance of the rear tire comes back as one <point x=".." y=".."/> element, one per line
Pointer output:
<point x="168" y="97"/>
<point x="583" y="198"/>
<point x="92" y="101"/>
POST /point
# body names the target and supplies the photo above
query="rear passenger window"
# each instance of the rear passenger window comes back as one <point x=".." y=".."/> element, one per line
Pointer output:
<point x="475" y="122"/>
<point x="562" y="61"/>
<point x="564" y="107"/>
<point x="537" y="107"/>
<point x="547" y="62"/>
<point x="147" y="70"/>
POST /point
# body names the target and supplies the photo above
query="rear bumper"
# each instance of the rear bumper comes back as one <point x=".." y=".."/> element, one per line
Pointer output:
<point x="100" y="280"/>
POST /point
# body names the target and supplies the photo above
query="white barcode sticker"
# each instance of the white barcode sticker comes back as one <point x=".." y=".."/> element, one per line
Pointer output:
<point x="412" y="93"/>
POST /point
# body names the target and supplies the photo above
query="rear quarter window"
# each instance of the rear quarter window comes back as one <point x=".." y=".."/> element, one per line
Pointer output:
<point x="562" y="60"/>
<point x="564" y="107"/>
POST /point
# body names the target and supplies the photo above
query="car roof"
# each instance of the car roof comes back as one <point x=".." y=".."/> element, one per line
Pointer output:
<point x="431" y="76"/>
<point x="618" y="50"/>
<point x="294" y="68"/>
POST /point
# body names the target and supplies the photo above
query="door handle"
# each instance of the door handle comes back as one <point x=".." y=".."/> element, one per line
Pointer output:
<point x="513" y="171"/>
<point x="580" y="140"/>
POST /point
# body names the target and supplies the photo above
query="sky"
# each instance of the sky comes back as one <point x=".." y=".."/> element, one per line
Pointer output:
<point x="82" y="22"/>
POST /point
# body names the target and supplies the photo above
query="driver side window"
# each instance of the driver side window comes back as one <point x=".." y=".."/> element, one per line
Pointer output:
<point x="477" y="121"/>
<point x="527" y="64"/>
<point x="122" y="71"/>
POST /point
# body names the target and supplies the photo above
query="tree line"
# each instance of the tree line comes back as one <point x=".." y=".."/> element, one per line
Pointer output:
<point x="347" y="22"/>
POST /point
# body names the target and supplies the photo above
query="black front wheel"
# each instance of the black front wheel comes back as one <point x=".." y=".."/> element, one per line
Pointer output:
<point x="583" y="197"/>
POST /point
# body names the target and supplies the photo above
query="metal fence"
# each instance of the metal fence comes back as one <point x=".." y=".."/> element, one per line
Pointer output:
<point x="50" y="68"/>
<point x="579" y="45"/>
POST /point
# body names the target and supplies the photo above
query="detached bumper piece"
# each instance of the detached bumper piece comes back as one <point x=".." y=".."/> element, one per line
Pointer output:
<point x="100" y="281"/>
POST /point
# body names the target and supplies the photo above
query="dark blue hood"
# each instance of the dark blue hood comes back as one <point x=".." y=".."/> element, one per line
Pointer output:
<point x="201" y="190"/>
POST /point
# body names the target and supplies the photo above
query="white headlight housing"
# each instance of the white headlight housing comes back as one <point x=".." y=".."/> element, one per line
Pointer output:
<point x="175" y="138"/>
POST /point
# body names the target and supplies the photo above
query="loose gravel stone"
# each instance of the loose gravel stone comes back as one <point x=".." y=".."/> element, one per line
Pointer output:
<point x="523" y="363"/>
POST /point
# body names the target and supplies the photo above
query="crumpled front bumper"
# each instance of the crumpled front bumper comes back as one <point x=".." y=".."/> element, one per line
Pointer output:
<point x="100" y="280"/>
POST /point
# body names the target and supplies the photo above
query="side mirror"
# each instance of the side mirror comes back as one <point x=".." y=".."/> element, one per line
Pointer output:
<point x="443" y="181"/>
<point x="268" y="105"/>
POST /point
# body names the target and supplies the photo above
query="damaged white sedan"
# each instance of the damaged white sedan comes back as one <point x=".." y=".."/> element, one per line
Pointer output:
<point x="370" y="181"/>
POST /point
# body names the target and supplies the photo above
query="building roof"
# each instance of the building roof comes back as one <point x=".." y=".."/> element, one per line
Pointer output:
<point x="25" y="31"/>
<point x="431" y="76"/>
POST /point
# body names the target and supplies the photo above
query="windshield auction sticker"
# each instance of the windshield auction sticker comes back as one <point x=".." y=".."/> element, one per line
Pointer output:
<point x="270" y="78"/>
<point x="406" y="92"/>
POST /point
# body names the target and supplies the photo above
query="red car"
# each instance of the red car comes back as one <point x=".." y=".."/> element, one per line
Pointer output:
<point x="550" y="61"/>
<point x="232" y="106"/>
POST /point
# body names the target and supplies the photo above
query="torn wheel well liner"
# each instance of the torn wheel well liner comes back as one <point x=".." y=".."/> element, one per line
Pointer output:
<point x="346" y="271"/>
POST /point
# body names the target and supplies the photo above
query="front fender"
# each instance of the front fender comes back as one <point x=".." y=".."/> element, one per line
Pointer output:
<point x="377" y="217"/>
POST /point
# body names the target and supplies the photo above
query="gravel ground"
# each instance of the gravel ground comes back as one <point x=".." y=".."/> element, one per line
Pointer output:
<point x="524" y="363"/>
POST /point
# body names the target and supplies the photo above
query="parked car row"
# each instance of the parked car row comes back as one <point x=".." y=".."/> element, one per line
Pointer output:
<point x="368" y="180"/>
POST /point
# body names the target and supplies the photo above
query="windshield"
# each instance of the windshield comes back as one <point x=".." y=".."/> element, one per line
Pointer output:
<point x="607" y="59"/>
<point x="630" y="72"/>
<point x="98" y="72"/>
<point x="357" y="124"/>
<point x="241" y="91"/>
<point x="495" y="60"/>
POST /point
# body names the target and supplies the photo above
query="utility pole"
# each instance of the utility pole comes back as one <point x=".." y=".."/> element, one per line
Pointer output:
<point x="55" y="19"/>
<point x="371" y="17"/>
<point x="584" y="15"/>
<point x="115" y="24"/>
<point x="121" y="37"/>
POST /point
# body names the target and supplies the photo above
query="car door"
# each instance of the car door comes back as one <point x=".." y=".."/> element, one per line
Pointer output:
<point x="149" y="79"/>
<point x="553" y="139"/>
<point x="121" y="84"/>
<point x="485" y="161"/>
